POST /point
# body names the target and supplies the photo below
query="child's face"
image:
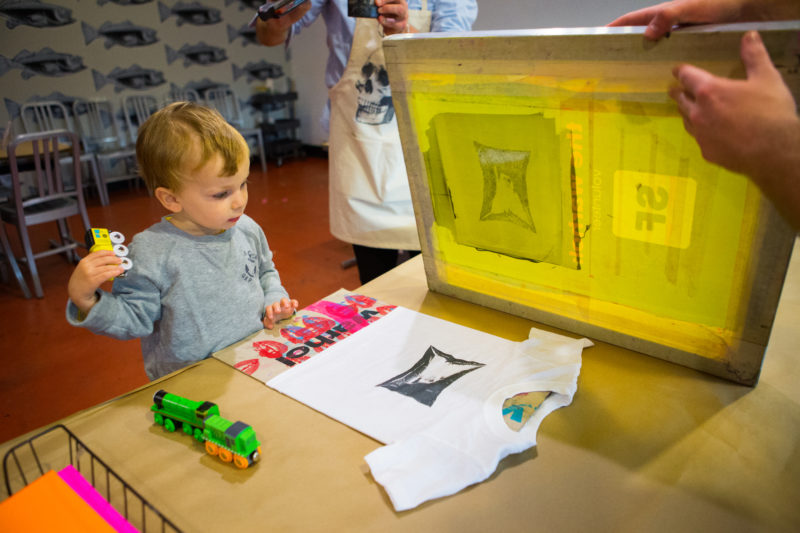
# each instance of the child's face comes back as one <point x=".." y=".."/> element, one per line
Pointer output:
<point x="209" y="204"/>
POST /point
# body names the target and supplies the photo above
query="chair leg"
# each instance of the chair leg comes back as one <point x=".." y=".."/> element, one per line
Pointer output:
<point x="26" y="246"/>
<point x="65" y="236"/>
<point x="84" y="215"/>
<point x="261" y="154"/>
<point x="12" y="261"/>
<point x="99" y="180"/>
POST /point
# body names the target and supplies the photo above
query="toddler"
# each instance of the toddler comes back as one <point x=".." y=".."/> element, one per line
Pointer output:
<point x="202" y="277"/>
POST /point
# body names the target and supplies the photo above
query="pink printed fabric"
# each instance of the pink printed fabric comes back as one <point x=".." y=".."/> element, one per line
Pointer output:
<point x="310" y="332"/>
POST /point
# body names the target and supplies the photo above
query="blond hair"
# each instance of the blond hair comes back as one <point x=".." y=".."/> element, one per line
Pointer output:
<point x="174" y="137"/>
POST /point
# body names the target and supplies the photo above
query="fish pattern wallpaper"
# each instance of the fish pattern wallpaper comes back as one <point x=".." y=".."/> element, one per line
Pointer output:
<point x="68" y="50"/>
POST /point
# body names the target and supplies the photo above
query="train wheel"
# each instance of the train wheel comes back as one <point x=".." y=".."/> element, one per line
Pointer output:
<point x="211" y="448"/>
<point x="240" y="461"/>
<point x="159" y="419"/>
<point x="169" y="424"/>
<point x="198" y="435"/>
<point x="256" y="455"/>
<point x="225" y="455"/>
<point x="187" y="429"/>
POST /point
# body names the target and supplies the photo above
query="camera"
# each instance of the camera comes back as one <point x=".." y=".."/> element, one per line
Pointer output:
<point x="362" y="8"/>
<point x="270" y="10"/>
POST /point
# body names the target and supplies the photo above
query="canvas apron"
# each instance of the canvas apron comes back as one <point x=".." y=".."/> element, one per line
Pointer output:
<point x="370" y="200"/>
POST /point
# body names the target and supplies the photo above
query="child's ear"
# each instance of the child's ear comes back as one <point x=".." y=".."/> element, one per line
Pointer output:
<point x="168" y="199"/>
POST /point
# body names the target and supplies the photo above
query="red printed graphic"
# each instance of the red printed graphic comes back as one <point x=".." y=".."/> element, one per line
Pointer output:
<point x="270" y="349"/>
<point x="314" y="325"/>
<point x="338" y="320"/>
<point x="247" y="366"/>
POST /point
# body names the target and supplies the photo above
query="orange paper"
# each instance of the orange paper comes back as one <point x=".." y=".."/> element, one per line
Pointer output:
<point x="49" y="504"/>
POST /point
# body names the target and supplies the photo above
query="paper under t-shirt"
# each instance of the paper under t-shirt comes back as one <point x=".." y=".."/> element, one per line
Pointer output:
<point x="433" y="391"/>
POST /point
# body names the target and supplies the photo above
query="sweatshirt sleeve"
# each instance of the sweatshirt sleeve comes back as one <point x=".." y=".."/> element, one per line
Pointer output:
<point x="128" y="313"/>
<point x="130" y="310"/>
<point x="268" y="274"/>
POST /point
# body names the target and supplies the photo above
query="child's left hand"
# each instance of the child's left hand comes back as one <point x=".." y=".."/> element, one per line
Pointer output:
<point x="278" y="311"/>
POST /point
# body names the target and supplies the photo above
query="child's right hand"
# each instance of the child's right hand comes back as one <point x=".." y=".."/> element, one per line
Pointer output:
<point x="91" y="272"/>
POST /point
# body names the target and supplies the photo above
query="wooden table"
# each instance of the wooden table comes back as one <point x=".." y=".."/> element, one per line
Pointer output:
<point x="646" y="446"/>
<point x="24" y="156"/>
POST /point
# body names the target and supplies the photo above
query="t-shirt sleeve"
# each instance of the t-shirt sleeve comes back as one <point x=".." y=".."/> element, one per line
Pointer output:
<point x="421" y="468"/>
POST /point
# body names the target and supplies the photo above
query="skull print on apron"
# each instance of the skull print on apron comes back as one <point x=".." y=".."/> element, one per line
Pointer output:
<point x="370" y="200"/>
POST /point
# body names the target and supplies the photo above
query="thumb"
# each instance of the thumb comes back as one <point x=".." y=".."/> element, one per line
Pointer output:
<point x="755" y="57"/>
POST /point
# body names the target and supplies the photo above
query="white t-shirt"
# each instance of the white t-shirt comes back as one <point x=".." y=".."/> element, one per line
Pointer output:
<point x="434" y="391"/>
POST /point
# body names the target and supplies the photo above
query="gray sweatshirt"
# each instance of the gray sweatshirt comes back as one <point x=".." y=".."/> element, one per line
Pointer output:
<point x="187" y="296"/>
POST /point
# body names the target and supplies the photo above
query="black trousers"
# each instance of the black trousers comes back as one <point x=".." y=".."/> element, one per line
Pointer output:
<point x="372" y="262"/>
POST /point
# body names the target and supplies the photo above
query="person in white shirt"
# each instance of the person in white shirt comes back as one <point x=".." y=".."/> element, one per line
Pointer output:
<point x="370" y="200"/>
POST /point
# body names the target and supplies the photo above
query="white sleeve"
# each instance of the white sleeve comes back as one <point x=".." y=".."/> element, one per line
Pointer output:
<point x="422" y="468"/>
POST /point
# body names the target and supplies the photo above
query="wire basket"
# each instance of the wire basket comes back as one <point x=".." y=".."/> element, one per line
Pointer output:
<point x="56" y="448"/>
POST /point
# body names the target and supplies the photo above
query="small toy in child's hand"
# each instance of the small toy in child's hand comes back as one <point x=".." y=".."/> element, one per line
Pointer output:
<point x="273" y="10"/>
<point x="101" y="239"/>
<point x="230" y="441"/>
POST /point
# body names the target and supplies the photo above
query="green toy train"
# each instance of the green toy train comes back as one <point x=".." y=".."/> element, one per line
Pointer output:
<point x="230" y="441"/>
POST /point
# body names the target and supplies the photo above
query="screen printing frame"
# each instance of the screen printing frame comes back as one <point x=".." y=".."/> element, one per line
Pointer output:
<point x="625" y="72"/>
